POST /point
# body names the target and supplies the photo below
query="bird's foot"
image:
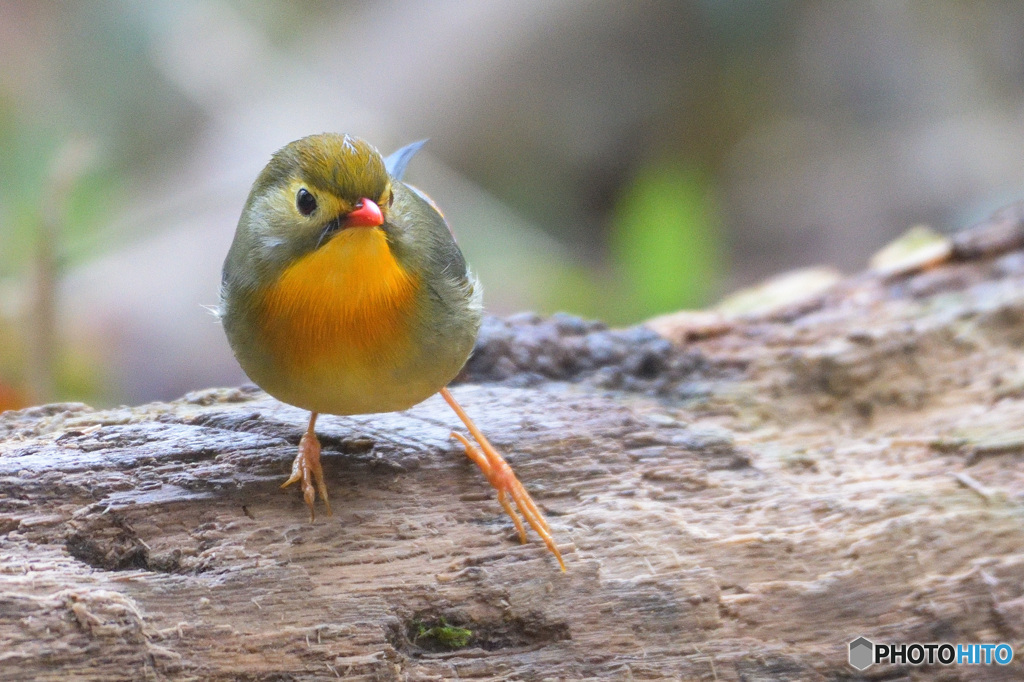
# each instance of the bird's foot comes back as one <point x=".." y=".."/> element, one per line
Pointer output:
<point x="306" y="468"/>
<point x="501" y="477"/>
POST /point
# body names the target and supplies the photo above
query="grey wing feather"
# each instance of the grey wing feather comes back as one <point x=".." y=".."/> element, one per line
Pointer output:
<point x="397" y="161"/>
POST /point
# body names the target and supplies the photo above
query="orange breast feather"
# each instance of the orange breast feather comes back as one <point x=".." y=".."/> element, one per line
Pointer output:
<point x="347" y="305"/>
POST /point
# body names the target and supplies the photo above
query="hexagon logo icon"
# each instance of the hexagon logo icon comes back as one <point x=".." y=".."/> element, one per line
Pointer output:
<point x="862" y="653"/>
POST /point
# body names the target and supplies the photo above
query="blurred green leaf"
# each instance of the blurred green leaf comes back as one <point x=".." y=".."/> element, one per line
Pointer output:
<point x="666" y="242"/>
<point x="23" y="173"/>
<point x="90" y="203"/>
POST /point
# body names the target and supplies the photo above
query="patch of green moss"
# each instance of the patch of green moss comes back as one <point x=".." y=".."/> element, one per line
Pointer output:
<point x="441" y="635"/>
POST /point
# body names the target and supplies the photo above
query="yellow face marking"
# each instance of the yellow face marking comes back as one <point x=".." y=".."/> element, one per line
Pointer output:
<point x="347" y="305"/>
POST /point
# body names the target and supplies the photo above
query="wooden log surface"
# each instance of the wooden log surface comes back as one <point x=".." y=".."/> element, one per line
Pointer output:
<point x="737" y="496"/>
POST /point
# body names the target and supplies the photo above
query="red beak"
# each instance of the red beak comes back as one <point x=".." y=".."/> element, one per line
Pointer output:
<point x="365" y="214"/>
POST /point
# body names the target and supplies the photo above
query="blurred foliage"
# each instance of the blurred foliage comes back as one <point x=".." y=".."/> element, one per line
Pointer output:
<point x="12" y="395"/>
<point x="45" y="179"/>
<point x="600" y="142"/>
<point x="666" y="242"/>
<point x="85" y="210"/>
<point x="666" y="251"/>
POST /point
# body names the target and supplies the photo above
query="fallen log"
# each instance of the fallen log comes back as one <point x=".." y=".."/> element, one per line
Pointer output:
<point x="738" y="493"/>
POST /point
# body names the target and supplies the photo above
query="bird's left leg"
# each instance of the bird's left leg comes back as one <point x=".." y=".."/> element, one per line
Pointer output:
<point x="500" y="475"/>
<point x="306" y="468"/>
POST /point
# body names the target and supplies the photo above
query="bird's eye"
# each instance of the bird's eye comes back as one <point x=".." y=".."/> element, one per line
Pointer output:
<point x="305" y="202"/>
<point x="391" y="198"/>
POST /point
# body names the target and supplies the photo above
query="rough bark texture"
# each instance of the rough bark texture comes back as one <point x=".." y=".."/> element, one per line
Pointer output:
<point x="738" y="503"/>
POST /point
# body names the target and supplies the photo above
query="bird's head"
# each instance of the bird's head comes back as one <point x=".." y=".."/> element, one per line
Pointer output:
<point x="312" y="190"/>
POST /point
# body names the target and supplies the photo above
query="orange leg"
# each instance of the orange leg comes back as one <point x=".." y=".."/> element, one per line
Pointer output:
<point x="306" y="468"/>
<point x="500" y="475"/>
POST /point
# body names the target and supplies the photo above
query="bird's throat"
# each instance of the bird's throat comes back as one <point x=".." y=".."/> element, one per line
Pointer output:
<point x="350" y="302"/>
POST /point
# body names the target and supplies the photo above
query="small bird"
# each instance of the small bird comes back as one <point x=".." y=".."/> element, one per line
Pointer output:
<point x="345" y="293"/>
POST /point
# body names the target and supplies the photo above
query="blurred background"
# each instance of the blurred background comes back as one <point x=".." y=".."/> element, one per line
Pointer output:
<point x="611" y="159"/>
